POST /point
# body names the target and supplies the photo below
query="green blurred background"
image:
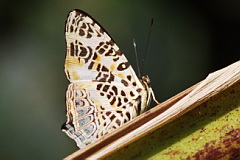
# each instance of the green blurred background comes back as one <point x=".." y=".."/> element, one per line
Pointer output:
<point x="188" y="41"/>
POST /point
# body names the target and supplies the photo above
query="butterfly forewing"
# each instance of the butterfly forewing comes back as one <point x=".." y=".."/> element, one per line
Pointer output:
<point x="104" y="91"/>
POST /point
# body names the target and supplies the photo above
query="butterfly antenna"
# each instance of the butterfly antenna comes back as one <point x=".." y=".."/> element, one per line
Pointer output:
<point x="145" y="53"/>
<point x="136" y="55"/>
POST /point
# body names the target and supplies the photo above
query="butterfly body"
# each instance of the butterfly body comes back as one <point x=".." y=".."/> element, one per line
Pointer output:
<point x="104" y="91"/>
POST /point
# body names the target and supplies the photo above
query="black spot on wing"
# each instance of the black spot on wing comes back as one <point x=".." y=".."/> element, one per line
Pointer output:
<point x="114" y="88"/>
<point x="101" y="51"/>
<point x="119" y="53"/>
<point x="81" y="32"/>
<point x="98" y="67"/>
<point x="91" y="65"/>
<point x="112" y="117"/>
<point x="115" y="59"/>
<point x="118" y="122"/>
<point x="123" y="93"/>
<point x="95" y="56"/>
<point x="131" y="94"/>
<point x="99" y="86"/>
<point x="122" y="66"/>
<point x="113" y="101"/>
<point x="139" y="90"/>
<point x="71" y="49"/>
<point x="129" y="77"/>
<point x="105" y="88"/>
<point x="105" y="69"/>
<point x="128" y="115"/>
<point x="125" y="83"/>
<point x="84" y="26"/>
<point x="119" y="102"/>
<point x="83" y="51"/>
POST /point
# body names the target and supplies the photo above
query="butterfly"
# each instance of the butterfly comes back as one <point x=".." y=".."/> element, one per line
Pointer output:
<point x="104" y="91"/>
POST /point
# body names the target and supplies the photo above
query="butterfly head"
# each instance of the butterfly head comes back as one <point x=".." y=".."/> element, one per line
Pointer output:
<point x="146" y="80"/>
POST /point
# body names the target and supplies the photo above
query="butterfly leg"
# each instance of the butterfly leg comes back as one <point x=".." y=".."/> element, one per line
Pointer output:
<point x="153" y="96"/>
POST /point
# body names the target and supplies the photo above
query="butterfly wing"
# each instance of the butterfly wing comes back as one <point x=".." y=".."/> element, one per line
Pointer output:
<point x="92" y="54"/>
<point x="104" y="91"/>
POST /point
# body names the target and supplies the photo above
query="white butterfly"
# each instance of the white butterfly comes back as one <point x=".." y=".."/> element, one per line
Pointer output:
<point x="104" y="91"/>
